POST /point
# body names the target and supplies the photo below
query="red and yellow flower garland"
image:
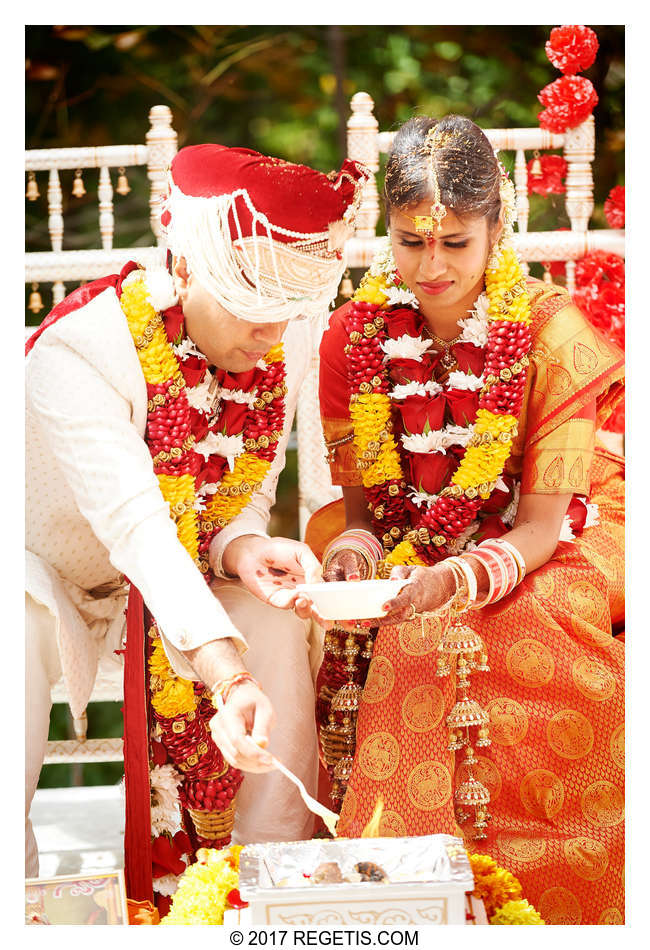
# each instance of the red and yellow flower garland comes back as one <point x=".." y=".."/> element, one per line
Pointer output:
<point x="495" y="426"/>
<point x="182" y="709"/>
<point x="211" y="885"/>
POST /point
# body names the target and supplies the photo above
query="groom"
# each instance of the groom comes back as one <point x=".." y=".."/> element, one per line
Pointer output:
<point x="255" y="245"/>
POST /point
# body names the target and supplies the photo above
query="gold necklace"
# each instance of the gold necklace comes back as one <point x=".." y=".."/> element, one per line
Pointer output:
<point x="448" y="359"/>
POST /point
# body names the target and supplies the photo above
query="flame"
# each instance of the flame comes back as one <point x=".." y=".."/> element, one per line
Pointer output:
<point x="372" y="828"/>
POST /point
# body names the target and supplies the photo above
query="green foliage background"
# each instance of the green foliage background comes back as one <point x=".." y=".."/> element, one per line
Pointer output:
<point x="284" y="90"/>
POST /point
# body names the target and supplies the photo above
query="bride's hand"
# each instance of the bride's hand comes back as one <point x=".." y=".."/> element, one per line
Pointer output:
<point x="345" y="565"/>
<point x="429" y="589"/>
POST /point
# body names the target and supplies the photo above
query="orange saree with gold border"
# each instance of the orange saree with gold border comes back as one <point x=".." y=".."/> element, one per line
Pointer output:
<point x="555" y="688"/>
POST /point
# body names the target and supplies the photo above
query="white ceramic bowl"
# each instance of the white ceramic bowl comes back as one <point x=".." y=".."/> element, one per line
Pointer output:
<point x="352" y="600"/>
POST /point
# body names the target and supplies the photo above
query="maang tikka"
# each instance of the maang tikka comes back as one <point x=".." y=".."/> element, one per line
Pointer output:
<point x="425" y="223"/>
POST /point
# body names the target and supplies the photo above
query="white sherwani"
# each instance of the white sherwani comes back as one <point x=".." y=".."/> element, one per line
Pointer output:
<point x="95" y="514"/>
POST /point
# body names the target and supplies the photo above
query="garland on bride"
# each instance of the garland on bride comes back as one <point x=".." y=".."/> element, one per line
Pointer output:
<point x="390" y="367"/>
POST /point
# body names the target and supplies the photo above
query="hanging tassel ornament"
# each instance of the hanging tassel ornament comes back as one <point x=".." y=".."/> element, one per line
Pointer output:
<point x="78" y="189"/>
<point x="35" y="303"/>
<point x="32" y="192"/>
<point x="347" y="288"/>
<point x="122" y="187"/>
<point x="461" y="648"/>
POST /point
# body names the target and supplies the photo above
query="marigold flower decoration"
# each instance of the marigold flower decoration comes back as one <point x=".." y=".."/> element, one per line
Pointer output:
<point x="493" y="884"/>
<point x="209" y="887"/>
<point x="181" y="708"/>
<point x="205" y="887"/>
<point x="572" y="49"/>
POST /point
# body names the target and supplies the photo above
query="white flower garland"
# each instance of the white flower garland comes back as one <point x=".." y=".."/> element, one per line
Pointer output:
<point x="404" y="390"/>
<point x="228" y="446"/>
<point x="437" y="440"/>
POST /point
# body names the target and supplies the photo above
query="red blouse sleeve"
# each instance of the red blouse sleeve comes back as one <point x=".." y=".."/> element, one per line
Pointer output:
<point x="334" y="396"/>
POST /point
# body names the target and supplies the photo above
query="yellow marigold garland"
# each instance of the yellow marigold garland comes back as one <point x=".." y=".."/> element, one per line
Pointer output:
<point x="203" y="889"/>
<point x="516" y="912"/>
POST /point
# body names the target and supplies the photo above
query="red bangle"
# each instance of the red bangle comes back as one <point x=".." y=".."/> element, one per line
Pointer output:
<point x="496" y="573"/>
<point x="508" y="562"/>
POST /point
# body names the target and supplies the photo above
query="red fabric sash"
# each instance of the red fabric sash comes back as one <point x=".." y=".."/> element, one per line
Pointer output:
<point x="137" y="830"/>
<point x="79" y="298"/>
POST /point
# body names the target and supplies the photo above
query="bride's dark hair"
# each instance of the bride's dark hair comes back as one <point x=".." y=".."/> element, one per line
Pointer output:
<point x="464" y="164"/>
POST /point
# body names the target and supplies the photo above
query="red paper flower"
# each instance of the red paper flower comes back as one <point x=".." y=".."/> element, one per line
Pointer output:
<point x="568" y="101"/>
<point x="572" y="49"/>
<point x="600" y="293"/>
<point x="599" y="265"/>
<point x="417" y="411"/>
<point x="549" y="182"/>
<point x="615" y="207"/>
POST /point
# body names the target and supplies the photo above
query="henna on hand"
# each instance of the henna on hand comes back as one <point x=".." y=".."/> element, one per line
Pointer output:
<point x="430" y="589"/>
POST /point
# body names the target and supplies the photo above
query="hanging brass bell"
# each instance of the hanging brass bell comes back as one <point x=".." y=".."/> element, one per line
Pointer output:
<point x="32" y="192"/>
<point x="347" y="288"/>
<point x="78" y="189"/>
<point x="35" y="303"/>
<point x="536" y="167"/>
<point x="122" y="187"/>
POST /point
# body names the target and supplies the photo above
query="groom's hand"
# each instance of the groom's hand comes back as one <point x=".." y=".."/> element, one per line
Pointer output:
<point x="272" y="567"/>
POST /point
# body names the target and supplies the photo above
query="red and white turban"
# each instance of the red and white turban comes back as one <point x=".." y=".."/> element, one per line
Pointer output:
<point x="263" y="236"/>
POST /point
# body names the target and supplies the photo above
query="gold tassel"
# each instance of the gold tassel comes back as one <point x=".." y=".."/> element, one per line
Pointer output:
<point x="32" y="192"/>
<point x="78" y="189"/>
<point x="347" y="288"/>
<point x="536" y="167"/>
<point x="35" y="303"/>
<point x="122" y="187"/>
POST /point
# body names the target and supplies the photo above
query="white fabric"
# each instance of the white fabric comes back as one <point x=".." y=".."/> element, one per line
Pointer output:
<point x="280" y="648"/>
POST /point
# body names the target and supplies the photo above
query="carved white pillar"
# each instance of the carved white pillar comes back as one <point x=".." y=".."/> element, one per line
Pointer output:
<point x="579" y="148"/>
<point x="106" y="218"/>
<point x="55" y="210"/>
<point x="571" y="276"/>
<point x="162" y="145"/>
<point x="521" y="190"/>
<point x="58" y="292"/>
<point x="364" y="147"/>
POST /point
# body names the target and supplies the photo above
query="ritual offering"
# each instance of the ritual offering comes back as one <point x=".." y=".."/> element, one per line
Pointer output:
<point x="348" y="881"/>
<point x="352" y="600"/>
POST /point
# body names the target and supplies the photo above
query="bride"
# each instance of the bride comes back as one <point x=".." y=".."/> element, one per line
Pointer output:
<point x="461" y="403"/>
